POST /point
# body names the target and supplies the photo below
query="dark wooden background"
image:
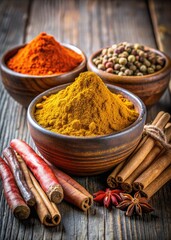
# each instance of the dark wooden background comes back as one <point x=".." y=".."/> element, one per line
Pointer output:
<point x="89" y="25"/>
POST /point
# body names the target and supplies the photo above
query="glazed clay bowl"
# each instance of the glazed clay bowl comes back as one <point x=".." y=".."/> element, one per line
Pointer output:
<point x="23" y="88"/>
<point x="149" y="87"/>
<point x="84" y="156"/>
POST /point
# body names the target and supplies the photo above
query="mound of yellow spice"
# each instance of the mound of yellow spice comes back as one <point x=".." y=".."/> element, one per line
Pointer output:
<point x="85" y="108"/>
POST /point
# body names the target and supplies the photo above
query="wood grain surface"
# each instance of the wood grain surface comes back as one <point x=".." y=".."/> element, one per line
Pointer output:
<point x="89" y="25"/>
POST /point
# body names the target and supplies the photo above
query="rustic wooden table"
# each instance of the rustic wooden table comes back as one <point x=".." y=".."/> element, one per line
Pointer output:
<point x="89" y="25"/>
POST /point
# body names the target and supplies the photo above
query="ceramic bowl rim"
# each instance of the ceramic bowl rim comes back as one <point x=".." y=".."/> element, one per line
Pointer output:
<point x="31" y="120"/>
<point x="27" y="76"/>
<point x="131" y="79"/>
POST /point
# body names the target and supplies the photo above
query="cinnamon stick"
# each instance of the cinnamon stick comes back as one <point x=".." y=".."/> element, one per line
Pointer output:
<point x="127" y="184"/>
<point x="55" y="216"/>
<point x="11" y="159"/>
<point x="155" y="185"/>
<point x="153" y="171"/>
<point x="141" y="154"/>
<point x="111" y="180"/>
<point x="73" y="191"/>
<point x="46" y="210"/>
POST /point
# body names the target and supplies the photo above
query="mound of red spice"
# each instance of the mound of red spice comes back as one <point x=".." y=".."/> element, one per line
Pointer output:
<point x="44" y="56"/>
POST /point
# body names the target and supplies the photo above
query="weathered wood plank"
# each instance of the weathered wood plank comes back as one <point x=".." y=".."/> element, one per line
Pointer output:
<point x="161" y="19"/>
<point x="89" y="25"/>
<point x="13" y="15"/>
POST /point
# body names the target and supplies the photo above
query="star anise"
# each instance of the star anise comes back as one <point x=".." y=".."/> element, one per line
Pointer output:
<point x="136" y="204"/>
<point x="108" y="197"/>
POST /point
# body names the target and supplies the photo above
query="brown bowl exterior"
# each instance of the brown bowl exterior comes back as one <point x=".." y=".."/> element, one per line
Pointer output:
<point x="23" y="88"/>
<point x="86" y="156"/>
<point x="148" y="87"/>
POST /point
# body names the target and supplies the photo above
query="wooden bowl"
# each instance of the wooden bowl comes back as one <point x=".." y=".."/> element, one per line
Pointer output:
<point x="23" y="88"/>
<point x="148" y="87"/>
<point x="85" y="156"/>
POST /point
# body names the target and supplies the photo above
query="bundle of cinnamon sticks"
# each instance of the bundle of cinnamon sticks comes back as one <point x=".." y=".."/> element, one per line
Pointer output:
<point x="148" y="168"/>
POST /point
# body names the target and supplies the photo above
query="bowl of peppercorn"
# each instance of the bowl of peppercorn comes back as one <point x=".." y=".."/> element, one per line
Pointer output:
<point x="140" y="69"/>
<point x="29" y="69"/>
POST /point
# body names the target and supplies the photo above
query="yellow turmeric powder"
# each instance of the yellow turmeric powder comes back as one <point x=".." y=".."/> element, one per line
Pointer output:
<point x="85" y="108"/>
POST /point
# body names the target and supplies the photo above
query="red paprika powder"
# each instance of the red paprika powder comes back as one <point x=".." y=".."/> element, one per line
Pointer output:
<point x="44" y="56"/>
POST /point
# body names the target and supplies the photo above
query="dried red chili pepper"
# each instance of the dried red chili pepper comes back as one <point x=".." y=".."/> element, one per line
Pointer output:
<point x="108" y="197"/>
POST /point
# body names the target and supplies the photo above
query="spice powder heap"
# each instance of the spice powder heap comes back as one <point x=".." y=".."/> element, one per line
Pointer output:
<point x="85" y="108"/>
<point x="44" y="56"/>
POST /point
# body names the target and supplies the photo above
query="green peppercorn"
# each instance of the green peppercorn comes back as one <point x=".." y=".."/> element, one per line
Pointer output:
<point x="158" y="67"/>
<point x="150" y="70"/>
<point x="97" y="62"/>
<point x="143" y="68"/>
<point x="104" y="51"/>
<point x="109" y="55"/>
<point x="125" y="54"/>
<point x="123" y="68"/>
<point x="120" y="74"/>
<point x="147" y="63"/>
<point x="105" y="57"/>
<point x="153" y="66"/>
<point x="131" y="58"/>
<point x="123" y="61"/>
<point x="110" y="50"/>
<point x="139" y="74"/>
<point x="141" y="53"/>
<point x="101" y="67"/>
<point x="138" y="46"/>
<point x="133" y="67"/>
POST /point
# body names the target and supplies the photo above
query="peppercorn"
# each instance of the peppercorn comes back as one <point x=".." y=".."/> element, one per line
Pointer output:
<point x="131" y="58"/>
<point x="139" y="74"/>
<point x="117" y="66"/>
<point x="133" y="67"/>
<point x="123" y="68"/>
<point x="125" y="54"/>
<point x="101" y="67"/>
<point x="127" y="72"/>
<point x="150" y="70"/>
<point x="109" y="65"/>
<point x="109" y="70"/>
<point x="97" y="62"/>
<point x="143" y="68"/>
<point x="158" y="67"/>
<point x="104" y="51"/>
<point x="128" y="59"/>
<point x="110" y="50"/>
<point x="122" y="61"/>
<point x="147" y="63"/>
